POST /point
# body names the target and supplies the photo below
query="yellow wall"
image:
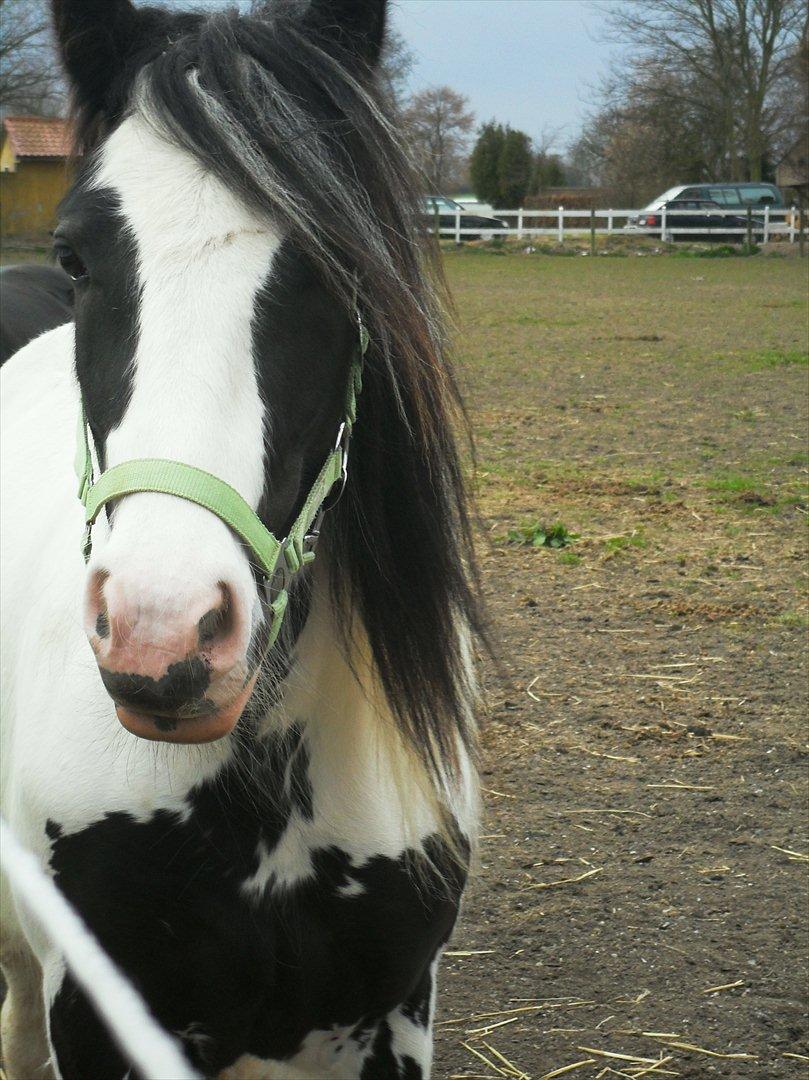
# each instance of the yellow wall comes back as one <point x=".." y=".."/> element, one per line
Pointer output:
<point x="8" y="162"/>
<point x="29" y="197"/>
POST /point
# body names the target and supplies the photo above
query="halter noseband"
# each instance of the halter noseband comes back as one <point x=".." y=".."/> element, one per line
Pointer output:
<point x="278" y="560"/>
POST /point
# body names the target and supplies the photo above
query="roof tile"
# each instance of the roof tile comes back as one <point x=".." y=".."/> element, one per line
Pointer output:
<point x="39" y="136"/>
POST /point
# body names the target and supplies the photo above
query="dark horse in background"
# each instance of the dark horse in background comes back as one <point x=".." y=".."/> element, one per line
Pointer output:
<point x="33" y="299"/>
<point x="270" y="835"/>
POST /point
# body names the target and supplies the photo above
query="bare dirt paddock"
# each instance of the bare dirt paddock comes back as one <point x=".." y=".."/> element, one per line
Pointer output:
<point x="640" y="908"/>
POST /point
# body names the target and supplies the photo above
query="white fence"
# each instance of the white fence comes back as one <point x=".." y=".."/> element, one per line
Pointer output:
<point x="762" y="223"/>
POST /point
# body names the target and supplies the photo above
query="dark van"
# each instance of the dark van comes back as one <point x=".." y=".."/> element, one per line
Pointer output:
<point x="728" y="196"/>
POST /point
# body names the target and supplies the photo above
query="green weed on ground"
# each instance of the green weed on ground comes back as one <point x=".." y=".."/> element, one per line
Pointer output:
<point x="627" y="541"/>
<point x="542" y="536"/>
<point x="794" y="620"/>
<point x="776" y="358"/>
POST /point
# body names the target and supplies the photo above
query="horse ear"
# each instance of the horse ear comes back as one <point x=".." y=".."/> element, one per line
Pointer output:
<point x="357" y="27"/>
<point x="95" y="39"/>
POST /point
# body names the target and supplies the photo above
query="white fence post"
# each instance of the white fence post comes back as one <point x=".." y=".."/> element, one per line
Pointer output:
<point x="792" y="214"/>
<point x="457" y="225"/>
<point x="767" y="223"/>
<point x="609" y="221"/>
<point x="519" y="224"/>
<point x="561" y="225"/>
<point x="663" y="225"/>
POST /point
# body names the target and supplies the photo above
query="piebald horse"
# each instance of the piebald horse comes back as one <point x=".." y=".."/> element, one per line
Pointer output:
<point x="264" y="811"/>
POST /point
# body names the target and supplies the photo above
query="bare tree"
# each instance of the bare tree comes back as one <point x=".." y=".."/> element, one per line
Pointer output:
<point x="438" y="124"/>
<point x="634" y="151"/>
<point x="728" y="56"/>
<point x="29" y="73"/>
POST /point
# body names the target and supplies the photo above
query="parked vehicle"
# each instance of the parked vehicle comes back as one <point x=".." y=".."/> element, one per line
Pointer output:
<point x="715" y="226"/>
<point x="723" y="196"/>
<point x="447" y="217"/>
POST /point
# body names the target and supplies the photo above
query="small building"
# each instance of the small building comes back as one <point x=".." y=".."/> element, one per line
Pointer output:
<point x="34" y="174"/>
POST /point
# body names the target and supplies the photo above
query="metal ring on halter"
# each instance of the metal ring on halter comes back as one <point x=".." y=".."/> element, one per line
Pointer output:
<point x="281" y="577"/>
<point x="341" y="443"/>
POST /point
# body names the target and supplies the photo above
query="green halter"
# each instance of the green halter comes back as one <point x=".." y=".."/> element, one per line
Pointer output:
<point x="278" y="560"/>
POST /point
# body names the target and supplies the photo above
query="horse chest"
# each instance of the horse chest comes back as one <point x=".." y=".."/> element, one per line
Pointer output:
<point x="248" y="925"/>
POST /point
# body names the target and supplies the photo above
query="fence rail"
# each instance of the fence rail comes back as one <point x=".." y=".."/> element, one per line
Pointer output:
<point x="757" y="223"/>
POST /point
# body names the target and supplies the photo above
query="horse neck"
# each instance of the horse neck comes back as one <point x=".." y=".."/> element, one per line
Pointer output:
<point x="359" y="762"/>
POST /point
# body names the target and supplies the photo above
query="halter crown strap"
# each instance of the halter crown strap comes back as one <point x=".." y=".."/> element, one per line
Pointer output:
<point x="275" y="558"/>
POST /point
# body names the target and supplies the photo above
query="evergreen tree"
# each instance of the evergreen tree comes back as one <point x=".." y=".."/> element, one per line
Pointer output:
<point x="514" y="169"/>
<point x="485" y="162"/>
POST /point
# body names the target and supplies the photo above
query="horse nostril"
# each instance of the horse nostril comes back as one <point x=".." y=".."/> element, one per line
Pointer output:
<point x="103" y="623"/>
<point x="216" y="624"/>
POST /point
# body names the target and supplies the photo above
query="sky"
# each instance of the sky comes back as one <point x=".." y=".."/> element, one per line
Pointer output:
<point x="528" y="63"/>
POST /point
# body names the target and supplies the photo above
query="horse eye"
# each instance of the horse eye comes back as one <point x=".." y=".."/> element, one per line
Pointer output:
<point x="70" y="262"/>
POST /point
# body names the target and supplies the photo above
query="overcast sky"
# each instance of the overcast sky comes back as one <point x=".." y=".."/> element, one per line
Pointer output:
<point x="529" y="63"/>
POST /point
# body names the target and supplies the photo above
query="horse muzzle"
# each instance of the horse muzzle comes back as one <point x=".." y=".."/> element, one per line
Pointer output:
<point x="199" y="727"/>
<point x="176" y="671"/>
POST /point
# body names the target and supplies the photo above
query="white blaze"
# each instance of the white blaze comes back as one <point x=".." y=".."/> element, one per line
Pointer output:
<point x="202" y="256"/>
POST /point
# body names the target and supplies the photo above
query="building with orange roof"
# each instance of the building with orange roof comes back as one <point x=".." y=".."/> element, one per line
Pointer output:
<point x="34" y="174"/>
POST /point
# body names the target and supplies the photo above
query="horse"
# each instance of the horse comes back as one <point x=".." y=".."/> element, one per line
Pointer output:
<point x="33" y="299"/>
<point x="238" y="681"/>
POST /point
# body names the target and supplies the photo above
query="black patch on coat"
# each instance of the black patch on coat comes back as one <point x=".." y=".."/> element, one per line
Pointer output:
<point x="164" y="898"/>
<point x="381" y="1063"/>
<point x="107" y="303"/>
<point x="53" y="830"/>
<point x="417" y="1007"/>
<point x="90" y="1053"/>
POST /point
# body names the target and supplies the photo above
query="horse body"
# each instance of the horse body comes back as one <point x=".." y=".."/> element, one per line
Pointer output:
<point x="278" y="861"/>
<point x="33" y="299"/>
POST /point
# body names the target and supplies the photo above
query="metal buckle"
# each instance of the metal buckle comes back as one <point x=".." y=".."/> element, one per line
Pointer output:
<point x="313" y="535"/>
<point x="281" y="576"/>
<point x="341" y="443"/>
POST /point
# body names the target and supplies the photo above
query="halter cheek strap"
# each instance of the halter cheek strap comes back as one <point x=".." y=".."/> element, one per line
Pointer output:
<point x="277" y="560"/>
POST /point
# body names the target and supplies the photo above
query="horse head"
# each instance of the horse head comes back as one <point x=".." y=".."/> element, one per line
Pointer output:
<point x="207" y="332"/>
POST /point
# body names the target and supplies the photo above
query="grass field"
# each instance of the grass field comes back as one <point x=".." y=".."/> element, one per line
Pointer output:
<point x="646" y="724"/>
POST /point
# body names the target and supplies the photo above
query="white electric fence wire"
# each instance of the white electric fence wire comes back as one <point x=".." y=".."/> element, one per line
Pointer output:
<point x="143" y="1042"/>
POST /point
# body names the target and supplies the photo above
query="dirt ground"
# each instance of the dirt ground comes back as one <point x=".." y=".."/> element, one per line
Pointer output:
<point x="640" y="905"/>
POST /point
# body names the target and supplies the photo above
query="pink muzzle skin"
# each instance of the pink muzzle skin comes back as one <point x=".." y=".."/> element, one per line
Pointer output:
<point x="176" y="674"/>
<point x="200" y="729"/>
